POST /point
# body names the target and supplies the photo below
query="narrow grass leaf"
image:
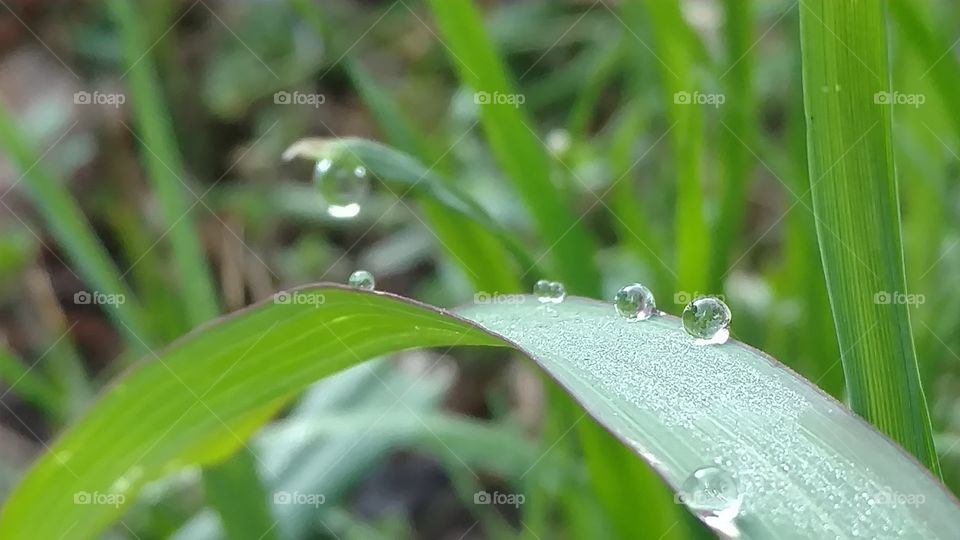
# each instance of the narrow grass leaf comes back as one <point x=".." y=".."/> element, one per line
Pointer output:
<point x="856" y="204"/>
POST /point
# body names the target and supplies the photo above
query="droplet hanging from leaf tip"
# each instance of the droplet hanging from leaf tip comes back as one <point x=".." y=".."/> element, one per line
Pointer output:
<point x="343" y="186"/>
<point x="549" y="292"/>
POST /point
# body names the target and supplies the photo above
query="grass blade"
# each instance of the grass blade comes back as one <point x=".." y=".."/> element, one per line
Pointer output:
<point x="165" y="166"/>
<point x="515" y="143"/>
<point x="73" y="232"/>
<point x="855" y="201"/>
<point x="645" y="383"/>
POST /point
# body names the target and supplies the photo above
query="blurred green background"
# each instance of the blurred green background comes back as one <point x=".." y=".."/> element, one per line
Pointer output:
<point x="142" y="193"/>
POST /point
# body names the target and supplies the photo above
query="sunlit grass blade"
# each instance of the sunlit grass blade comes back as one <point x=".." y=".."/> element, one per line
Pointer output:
<point x="515" y="143"/>
<point x="856" y="204"/>
<point x="646" y="383"/>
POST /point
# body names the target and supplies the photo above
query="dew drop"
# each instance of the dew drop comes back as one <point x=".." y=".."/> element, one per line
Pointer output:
<point x="343" y="186"/>
<point x="635" y="302"/>
<point x="549" y="292"/>
<point x="712" y="491"/>
<point x="362" y="279"/>
<point x="708" y="320"/>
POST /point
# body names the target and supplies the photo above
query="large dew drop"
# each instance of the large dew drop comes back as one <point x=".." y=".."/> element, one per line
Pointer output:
<point x="712" y="491"/>
<point x="635" y="302"/>
<point x="362" y="279"/>
<point x="343" y="186"/>
<point x="549" y="292"/>
<point x="708" y="320"/>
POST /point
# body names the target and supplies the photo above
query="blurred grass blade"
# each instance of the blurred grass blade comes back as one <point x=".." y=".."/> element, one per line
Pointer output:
<point x="737" y="136"/>
<point x="675" y="51"/>
<point x="23" y="381"/>
<point x="855" y="201"/>
<point x="165" y="166"/>
<point x="73" y="232"/>
<point x="410" y="176"/>
<point x="646" y="383"/>
<point x="244" y="512"/>
<point x="516" y="144"/>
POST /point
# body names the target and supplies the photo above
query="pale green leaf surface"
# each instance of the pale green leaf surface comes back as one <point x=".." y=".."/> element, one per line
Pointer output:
<point x="807" y="466"/>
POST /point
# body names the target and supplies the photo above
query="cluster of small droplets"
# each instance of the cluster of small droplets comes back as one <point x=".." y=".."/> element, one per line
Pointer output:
<point x="549" y="292"/>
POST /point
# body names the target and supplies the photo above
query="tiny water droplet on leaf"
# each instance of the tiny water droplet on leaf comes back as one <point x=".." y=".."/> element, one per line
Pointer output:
<point x="362" y="279"/>
<point x="549" y="292"/>
<point x="708" y="320"/>
<point x="635" y="302"/>
<point x="343" y="186"/>
<point x="712" y="490"/>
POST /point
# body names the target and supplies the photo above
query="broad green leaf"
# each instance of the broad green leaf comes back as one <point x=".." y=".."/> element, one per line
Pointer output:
<point x="806" y="465"/>
<point x="847" y="98"/>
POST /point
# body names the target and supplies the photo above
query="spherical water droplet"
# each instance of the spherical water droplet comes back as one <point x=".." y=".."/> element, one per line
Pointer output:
<point x="343" y="186"/>
<point x="712" y="490"/>
<point x="635" y="302"/>
<point x="362" y="279"/>
<point x="549" y="292"/>
<point x="707" y="319"/>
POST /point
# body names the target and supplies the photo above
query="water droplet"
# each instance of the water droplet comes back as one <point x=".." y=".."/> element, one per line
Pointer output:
<point x="362" y="279"/>
<point x="343" y="186"/>
<point x="635" y="302"/>
<point x="708" y="320"/>
<point x="712" y="491"/>
<point x="549" y="292"/>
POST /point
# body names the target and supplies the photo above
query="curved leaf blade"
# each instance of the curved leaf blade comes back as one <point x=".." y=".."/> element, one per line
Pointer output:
<point x="807" y="465"/>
